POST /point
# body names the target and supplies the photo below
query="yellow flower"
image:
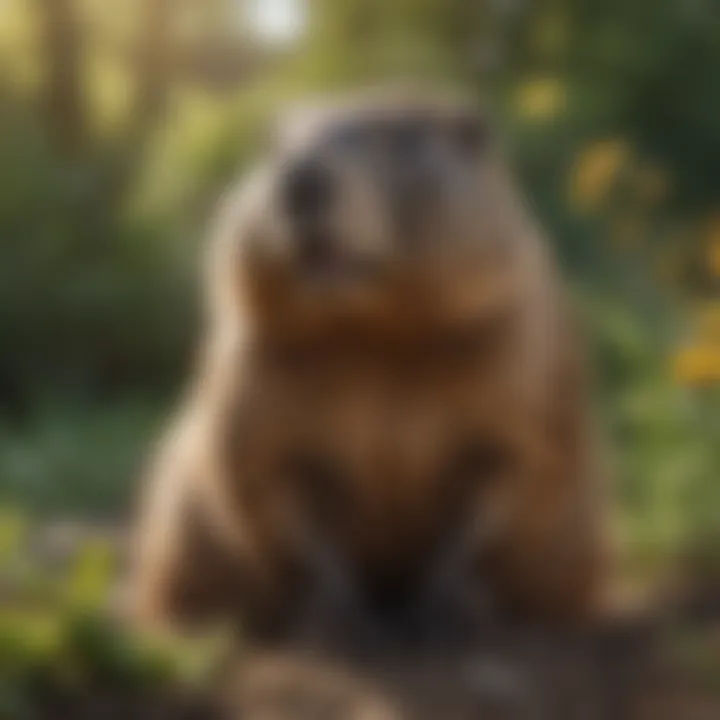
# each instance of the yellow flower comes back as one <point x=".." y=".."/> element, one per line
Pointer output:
<point x="541" y="99"/>
<point x="697" y="364"/>
<point x="596" y="171"/>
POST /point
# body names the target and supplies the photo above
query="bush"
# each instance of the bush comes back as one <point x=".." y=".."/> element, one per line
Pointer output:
<point x="76" y="460"/>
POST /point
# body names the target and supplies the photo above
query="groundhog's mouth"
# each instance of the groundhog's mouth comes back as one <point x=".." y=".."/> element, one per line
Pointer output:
<point x="323" y="259"/>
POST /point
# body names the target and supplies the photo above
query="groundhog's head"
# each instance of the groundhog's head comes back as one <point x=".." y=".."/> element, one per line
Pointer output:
<point x="392" y="209"/>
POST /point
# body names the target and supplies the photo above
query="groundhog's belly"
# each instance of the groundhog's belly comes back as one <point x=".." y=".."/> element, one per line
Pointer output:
<point x="382" y="452"/>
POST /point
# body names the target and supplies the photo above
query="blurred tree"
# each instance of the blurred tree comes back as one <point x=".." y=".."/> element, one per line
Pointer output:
<point x="63" y="98"/>
<point x="153" y="62"/>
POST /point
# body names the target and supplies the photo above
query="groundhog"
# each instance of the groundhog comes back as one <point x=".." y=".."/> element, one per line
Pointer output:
<point x="390" y="425"/>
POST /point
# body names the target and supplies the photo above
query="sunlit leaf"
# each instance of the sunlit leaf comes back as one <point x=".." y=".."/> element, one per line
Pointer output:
<point x="13" y="531"/>
<point x="110" y="92"/>
<point x="28" y="635"/>
<point x="91" y="577"/>
<point x="596" y="171"/>
<point x="542" y="99"/>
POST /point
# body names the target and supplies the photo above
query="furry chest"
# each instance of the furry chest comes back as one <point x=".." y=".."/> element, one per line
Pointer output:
<point x="384" y="420"/>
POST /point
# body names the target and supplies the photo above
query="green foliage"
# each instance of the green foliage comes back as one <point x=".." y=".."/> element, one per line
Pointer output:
<point x="665" y="439"/>
<point x="63" y="257"/>
<point x="69" y="459"/>
<point x="58" y="642"/>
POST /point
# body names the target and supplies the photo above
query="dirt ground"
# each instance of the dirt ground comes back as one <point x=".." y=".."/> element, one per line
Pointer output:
<point x="643" y="668"/>
<point x="626" y="674"/>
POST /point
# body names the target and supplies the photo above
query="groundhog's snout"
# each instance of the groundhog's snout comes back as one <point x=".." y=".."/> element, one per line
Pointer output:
<point x="307" y="191"/>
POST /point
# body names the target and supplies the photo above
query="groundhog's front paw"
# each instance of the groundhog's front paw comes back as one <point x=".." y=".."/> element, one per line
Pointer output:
<point x="453" y="615"/>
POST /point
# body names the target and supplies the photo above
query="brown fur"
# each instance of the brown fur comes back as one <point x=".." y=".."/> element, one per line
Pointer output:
<point x="318" y="448"/>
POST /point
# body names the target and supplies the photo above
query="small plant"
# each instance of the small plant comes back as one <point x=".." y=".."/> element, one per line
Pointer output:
<point x="60" y="645"/>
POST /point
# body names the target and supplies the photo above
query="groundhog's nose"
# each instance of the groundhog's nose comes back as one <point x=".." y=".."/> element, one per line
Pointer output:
<point x="307" y="190"/>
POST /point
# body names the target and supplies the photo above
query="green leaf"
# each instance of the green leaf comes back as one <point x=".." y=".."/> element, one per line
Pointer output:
<point x="90" y="579"/>
<point x="13" y="532"/>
